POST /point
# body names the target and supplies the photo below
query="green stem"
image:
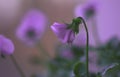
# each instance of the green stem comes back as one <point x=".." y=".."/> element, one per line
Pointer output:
<point x="17" y="66"/>
<point x="44" y="52"/>
<point x="87" y="47"/>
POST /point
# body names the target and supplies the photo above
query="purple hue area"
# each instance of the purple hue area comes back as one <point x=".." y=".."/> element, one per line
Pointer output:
<point x="108" y="19"/>
<point x="6" y="46"/>
<point x="32" y="27"/>
<point x="86" y="10"/>
<point x="67" y="54"/>
<point x="65" y="35"/>
<point x="80" y="39"/>
<point x="93" y="58"/>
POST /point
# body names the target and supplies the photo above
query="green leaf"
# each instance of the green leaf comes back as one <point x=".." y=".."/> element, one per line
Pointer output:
<point x="99" y="74"/>
<point x="112" y="50"/>
<point x="79" y="69"/>
<point x="111" y="68"/>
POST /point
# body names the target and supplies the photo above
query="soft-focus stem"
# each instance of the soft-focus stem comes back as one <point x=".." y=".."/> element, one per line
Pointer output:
<point x="87" y="47"/>
<point x="44" y="52"/>
<point x="17" y="66"/>
<point x="95" y="31"/>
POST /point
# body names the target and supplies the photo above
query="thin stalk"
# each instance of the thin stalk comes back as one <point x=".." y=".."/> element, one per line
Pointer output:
<point x="44" y="52"/>
<point x="17" y="66"/>
<point x="87" y="47"/>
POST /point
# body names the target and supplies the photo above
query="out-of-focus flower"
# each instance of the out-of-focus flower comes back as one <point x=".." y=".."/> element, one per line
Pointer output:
<point x="80" y="39"/>
<point x="93" y="57"/>
<point x="32" y="27"/>
<point x="67" y="54"/>
<point x="86" y="11"/>
<point x="63" y="33"/>
<point x="6" y="46"/>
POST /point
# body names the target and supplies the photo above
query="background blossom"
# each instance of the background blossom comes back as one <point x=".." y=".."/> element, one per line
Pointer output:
<point x="86" y="10"/>
<point x="6" y="46"/>
<point x="32" y="27"/>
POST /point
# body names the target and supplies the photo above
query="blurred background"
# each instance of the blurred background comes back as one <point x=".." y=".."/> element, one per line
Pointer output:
<point x="12" y="11"/>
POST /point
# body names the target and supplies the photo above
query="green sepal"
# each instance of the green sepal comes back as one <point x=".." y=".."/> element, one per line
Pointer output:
<point x="75" y="24"/>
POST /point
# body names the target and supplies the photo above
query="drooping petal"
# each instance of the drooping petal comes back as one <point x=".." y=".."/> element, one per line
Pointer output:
<point x="65" y="35"/>
<point x="69" y="36"/>
<point x="59" y="30"/>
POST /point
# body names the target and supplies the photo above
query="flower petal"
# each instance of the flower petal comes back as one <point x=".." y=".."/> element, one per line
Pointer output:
<point x="34" y="20"/>
<point x="65" y="35"/>
<point x="6" y="46"/>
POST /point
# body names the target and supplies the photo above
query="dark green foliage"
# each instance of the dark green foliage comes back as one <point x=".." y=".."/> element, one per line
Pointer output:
<point x="110" y="52"/>
<point x="111" y="71"/>
<point x="77" y="51"/>
<point x="79" y="69"/>
<point x="61" y="66"/>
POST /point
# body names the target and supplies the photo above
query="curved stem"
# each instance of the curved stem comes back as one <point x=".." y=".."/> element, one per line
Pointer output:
<point x="87" y="47"/>
<point x="17" y="66"/>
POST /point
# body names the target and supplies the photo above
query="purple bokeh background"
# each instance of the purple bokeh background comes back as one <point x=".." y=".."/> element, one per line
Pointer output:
<point x="108" y="23"/>
<point x="108" y="19"/>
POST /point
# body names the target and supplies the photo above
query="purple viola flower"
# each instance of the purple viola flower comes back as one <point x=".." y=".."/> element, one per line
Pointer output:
<point x="86" y="11"/>
<point x="63" y="33"/>
<point x="32" y="27"/>
<point x="6" y="46"/>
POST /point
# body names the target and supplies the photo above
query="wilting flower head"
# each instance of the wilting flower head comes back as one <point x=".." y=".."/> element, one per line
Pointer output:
<point x="63" y="33"/>
<point x="6" y="46"/>
<point x="86" y="11"/>
<point x="32" y="27"/>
